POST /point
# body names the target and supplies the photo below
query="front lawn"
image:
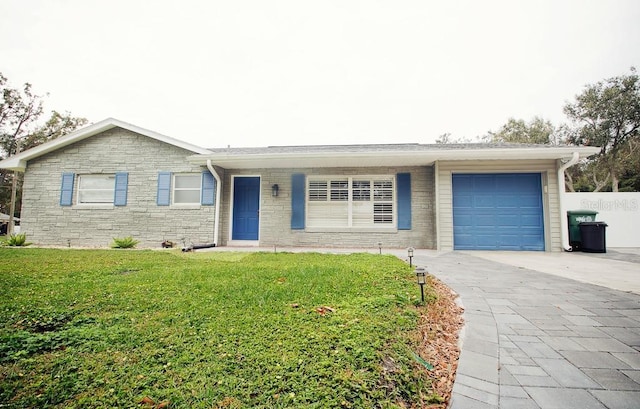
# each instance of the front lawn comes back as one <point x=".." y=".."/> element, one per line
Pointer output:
<point x="119" y="328"/>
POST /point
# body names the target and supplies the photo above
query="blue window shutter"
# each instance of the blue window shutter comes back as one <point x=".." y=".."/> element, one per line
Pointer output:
<point x="120" y="191"/>
<point x="66" y="191"/>
<point x="164" y="189"/>
<point x="404" y="200"/>
<point x="297" y="201"/>
<point x="208" y="188"/>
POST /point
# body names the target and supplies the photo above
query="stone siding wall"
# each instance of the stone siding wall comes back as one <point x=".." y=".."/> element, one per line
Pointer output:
<point x="275" y="212"/>
<point x="47" y="223"/>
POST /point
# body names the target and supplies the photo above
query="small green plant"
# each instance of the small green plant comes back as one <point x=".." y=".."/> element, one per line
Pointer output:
<point x="17" y="240"/>
<point x="124" y="243"/>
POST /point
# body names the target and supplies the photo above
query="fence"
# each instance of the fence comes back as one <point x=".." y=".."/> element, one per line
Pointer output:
<point x="621" y="212"/>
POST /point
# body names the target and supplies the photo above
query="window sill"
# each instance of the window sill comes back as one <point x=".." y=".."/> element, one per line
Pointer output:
<point x="186" y="206"/>
<point x="92" y="206"/>
<point x="392" y="229"/>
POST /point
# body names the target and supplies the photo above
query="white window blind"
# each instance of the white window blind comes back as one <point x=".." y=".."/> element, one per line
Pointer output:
<point x="317" y="191"/>
<point x="352" y="202"/>
<point x="339" y="190"/>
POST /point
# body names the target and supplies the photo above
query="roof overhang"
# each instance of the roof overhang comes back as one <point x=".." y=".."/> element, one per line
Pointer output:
<point x="19" y="162"/>
<point x="328" y="159"/>
<point x="6" y="217"/>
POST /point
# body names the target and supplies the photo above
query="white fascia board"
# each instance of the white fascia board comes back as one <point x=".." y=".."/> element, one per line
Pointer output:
<point x="19" y="162"/>
<point x="381" y="158"/>
<point x="310" y="160"/>
<point x="564" y="152"/>
<point x="161" y="137"/>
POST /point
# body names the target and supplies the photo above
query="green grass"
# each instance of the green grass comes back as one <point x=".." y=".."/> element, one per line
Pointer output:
<point x="106" y="328"/>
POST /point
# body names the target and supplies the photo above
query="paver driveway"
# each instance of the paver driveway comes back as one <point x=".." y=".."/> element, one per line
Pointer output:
<point x="535" y="340"/>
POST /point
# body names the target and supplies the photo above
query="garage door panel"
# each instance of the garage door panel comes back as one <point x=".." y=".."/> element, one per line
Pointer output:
<point x="507" y="221"/>
<point x="484" y="220"/>
<point x="466" y="240"/>
<point x="506" y="183"/>
<point x="531" y="201"/>
<point x="498" y="212"/>
<point x="531" y="221"/>
<point x="463" y="201"/>
<point x="507" y="201"/>
<point x="508" y="241"/>
<point x="530" y="240"/>
<point x="486" y="240"/>
<point x="465" y="183"/>
<point x="482" y="183"/>
<point x="484" y="200"/>
<point x="464" y="220"/>
<point x="530" y="184"/>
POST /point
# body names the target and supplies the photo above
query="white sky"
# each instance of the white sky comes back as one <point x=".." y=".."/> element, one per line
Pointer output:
<point x="282" y="72"/>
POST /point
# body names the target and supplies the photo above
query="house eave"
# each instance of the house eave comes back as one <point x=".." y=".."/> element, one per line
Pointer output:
<point x="19" y="162"/>
<point x="14" y="164"/>
<point x="328" y="159"/>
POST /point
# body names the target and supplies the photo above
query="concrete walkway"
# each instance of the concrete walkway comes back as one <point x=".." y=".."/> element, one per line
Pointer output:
<point x="535" y="339"/>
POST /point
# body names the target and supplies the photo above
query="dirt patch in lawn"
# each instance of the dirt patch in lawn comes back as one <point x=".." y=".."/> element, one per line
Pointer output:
<point x="439" y="329"/>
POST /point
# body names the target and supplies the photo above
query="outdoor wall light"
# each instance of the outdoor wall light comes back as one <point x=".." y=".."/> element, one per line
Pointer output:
<point x="421" y="275"/>
<point x="274" y="190"/>
<point x="410" y="254"/>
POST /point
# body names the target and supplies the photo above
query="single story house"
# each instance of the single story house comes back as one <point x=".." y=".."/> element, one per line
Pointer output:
<point x="114" y="179"/>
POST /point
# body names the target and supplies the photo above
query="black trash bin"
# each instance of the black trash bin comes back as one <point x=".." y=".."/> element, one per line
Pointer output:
<point x="593" y="235"/>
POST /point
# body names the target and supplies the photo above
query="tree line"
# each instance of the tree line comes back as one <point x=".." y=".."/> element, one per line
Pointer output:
<point x="24" y="125"/>
<point x="605" y="114"/>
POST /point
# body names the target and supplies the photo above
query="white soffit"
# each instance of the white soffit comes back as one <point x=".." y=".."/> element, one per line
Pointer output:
<point x="267" y="160"/>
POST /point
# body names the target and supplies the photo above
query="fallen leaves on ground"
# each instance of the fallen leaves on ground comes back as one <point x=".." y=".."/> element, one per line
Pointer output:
<point x="439" y="327"/>
<point x="324" y="310"/>
<point x="147" y="401"/>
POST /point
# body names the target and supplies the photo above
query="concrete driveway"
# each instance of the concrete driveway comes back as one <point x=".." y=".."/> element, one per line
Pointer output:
<point x="545" y="330"/>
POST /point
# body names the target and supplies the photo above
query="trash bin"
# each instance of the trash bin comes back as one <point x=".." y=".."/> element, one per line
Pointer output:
<point x="593" y="236"/>
<point x="575" y="217"/>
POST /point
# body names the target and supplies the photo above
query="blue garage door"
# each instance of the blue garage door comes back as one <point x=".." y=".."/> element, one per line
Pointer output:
<point x="498" y="212"/>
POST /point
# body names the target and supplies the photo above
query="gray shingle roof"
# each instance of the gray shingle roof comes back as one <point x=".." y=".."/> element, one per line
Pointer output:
<point x="404" y="147"/>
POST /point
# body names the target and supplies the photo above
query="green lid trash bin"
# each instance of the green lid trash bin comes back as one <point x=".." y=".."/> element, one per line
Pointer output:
<point x="575" y="217"/>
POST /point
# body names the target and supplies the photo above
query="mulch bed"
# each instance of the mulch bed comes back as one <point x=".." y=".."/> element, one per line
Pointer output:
<point x="439" y="329"/>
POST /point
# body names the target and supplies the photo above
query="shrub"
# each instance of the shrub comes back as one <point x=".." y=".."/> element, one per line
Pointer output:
<point x="17" y="240"/>
<point x="124" y="243"/>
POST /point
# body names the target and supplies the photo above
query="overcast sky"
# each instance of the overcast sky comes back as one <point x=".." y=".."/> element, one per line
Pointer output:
<point x="283" y="72"/>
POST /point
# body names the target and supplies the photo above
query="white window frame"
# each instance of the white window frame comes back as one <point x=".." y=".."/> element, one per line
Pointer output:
<point x="175" y="189"/>
<point x="81" y="191"/>
<point x="341" y="211"/>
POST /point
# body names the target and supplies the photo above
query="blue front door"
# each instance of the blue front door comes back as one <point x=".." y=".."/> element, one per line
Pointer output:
<point x="246" y="208"/>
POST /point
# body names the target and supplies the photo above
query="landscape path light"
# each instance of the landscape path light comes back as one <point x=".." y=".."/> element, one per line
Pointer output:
<point x="421" y="275"/>
<point x="410" y="251"/>
<point x="380" y="246"/>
